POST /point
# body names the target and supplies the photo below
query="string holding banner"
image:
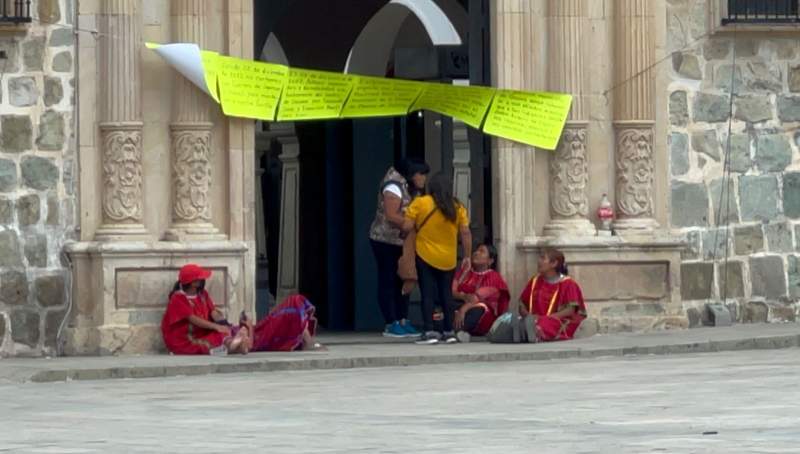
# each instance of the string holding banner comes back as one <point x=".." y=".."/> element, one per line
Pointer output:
<point x="269" y="92"/>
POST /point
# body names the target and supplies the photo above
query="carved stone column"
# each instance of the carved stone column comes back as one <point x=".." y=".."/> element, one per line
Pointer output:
<point x="191" y="138"/>
<point x="569" y="170"/>
<point x="121" y="122"/>
<point x="634" y="114"/>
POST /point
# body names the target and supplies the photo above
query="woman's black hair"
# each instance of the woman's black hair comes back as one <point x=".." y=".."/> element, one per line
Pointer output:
<point x="440" y="187"/>
<point x="408" y="167"/>
<point x="492" y="253"/>
<point x="558" y="256"/>
<point x="184" y="287"/>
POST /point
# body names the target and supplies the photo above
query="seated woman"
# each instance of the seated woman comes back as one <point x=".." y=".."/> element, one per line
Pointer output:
<point x="483" y="294"/>
<point x="192" y="325"/>
<point x="289" y="326"/>
<point x="553" y="300"/>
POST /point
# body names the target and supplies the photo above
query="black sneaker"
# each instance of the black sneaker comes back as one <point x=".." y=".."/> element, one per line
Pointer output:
<point x="450" y="338"/>
<point x="429" y="338"/>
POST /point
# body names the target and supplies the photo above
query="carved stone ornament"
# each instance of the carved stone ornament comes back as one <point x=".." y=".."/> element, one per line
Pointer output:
<point x="122" y="173"/>
<point x="635" y="171"/>
<point x="569" y="172"/>
<point x="191" y="170"/>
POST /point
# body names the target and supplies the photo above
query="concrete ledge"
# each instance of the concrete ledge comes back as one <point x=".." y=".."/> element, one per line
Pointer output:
<point x="354" y="354"/>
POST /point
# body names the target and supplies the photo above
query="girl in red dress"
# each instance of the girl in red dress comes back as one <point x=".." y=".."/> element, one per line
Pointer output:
<point x="553" y="299"/>
<point x="483" y="294"/>
<point x="192" y="325"/>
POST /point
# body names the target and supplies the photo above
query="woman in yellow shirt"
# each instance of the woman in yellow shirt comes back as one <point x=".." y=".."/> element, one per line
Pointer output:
<point x="439" y="219"/>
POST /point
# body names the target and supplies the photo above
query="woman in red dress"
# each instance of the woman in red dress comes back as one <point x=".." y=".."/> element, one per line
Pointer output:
<point x="553" y="299"/>
<point x="289" y="326"/>
<point x="192" y="325"/>
<point x="483" y="294"/>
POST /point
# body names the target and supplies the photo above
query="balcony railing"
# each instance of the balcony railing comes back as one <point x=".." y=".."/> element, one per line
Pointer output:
<point x="15" y="11"/>
<point x="762" y="12"/>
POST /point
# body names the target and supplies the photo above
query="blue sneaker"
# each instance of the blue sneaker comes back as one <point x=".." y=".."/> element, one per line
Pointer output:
<point x="409" y="329"/>
<point x="394" y="330"/>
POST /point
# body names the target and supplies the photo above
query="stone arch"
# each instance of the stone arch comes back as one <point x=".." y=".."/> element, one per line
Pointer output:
<point x="273" y="51"/>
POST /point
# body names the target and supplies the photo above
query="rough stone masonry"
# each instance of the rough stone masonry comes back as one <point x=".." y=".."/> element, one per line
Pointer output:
<point x="37" y="176"/>
<point x="752" y="219"/>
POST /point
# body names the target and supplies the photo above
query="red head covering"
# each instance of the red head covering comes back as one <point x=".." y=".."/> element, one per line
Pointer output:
<point x="191" y="272"/>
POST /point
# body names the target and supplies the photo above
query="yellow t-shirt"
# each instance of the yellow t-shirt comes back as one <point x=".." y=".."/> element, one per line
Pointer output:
<point x="437" y="241"/>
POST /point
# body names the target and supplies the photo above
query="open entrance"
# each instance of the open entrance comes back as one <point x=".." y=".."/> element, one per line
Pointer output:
<point x="317" y="181"/>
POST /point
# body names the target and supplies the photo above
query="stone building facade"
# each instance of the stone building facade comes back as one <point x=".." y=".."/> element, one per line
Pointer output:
<point x="38" y="176"/>
<point x="104" y="195"/>
<point x="748" y="220"/>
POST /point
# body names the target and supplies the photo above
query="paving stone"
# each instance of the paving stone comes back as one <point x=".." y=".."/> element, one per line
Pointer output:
<point x="39" y="173"/>
<point x="53" y="210"/>
<point x="768" y="277"/>
<point x="678" y="108"/>
<point x="716" y="49"/>
<point x="711" y="108"/>
<point x="6" y="211"/>
<point x="789" y="108"/>
<point x="779" y="237"/>
<point x="36" y="250"/>
<point x="50" y="290"/>
<point x="679" y="153"/>
<point x="25" y="327"/>
<point x="758" y="196"/>
<point x="740" y="160"/>
<point x="794" y="79"/>
<point x="748" y="240"/>
<point x="731" y="279"/>
<point x="9" y="249"/>
<point x="716" y="243"/>
<point x="61" y="37"/>
<point x="51" y="131"/>
<point x="53" y="91"/>
<point x="697" y="281"/>
<point x="793" y="274"/>
<point x="62" y="62"/>
<point x="14" y="288"/>
<point x="791" y="194"/>
<point x="753" y="108"/>
<point x="707" y="143"/>
<point x="755" y="312"/>
<point x="28" y="210"/>
<point x="723" y="201"/>
<point x="33" y="53"/>
<point x="687" y="65"/>
<point x="8" y="175"/>
<point x="17" y="133"/>
<point x="49" y="11"/>
<point x="11" y="47"/>
<point x="773" y="152"/>
<point x="22" y="91"/>
<point x="689" y="204"/>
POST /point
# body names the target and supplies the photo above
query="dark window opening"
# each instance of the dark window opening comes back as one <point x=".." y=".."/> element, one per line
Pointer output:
<point x="15" y="11"/>
<point x="762" y="12"/>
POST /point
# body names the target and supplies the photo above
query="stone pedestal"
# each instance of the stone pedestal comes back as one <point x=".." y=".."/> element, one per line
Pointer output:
<point x="121" y="290"/>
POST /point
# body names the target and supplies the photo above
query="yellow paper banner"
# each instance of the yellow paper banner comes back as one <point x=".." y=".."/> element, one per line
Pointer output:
<point x="377" y="97"/>
<point x="467" y="103"/>
<point x="314" y="95"/>
<point x="210" y="61"/>
<point x="250" y="89"/>
<point x="534" y="118"/>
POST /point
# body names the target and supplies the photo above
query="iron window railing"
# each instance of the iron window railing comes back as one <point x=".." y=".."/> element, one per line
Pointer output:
<point x="762" y="12"/>
<point x="15" y="11"/>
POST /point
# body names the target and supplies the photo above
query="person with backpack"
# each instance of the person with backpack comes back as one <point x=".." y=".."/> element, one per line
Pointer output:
<point x="398" y="188"/>
<point x="438" y="219"/>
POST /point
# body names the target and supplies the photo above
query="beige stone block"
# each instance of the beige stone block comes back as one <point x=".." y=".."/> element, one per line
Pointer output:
<point x="143" y="288"/>
<point x="604" y="282"/>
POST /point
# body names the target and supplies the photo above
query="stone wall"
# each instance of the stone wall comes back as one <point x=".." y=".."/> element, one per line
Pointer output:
<point x="37" y="177"/>
<point x="758" y="228"/>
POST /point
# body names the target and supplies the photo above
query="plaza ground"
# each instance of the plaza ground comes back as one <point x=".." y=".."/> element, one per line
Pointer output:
<point x="745" y="401"/>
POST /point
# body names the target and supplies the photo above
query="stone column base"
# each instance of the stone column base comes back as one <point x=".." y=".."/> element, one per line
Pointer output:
<point x="122" y="232"/>
<point x="120" y="291"/>
<point x="628" y="284"/>
<point x="635" y="225"/>
<point x="569" y="227"/>
<point x="194" y="232"/>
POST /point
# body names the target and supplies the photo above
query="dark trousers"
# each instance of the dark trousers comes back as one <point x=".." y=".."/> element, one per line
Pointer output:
<point x="471" y="318"/>
<point x="435" y="286"/>
<point x="394" y="306"/>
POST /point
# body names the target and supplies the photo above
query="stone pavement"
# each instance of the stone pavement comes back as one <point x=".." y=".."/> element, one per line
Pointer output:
<point x="730" y="402"/>
<point x="370" y="350"/>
